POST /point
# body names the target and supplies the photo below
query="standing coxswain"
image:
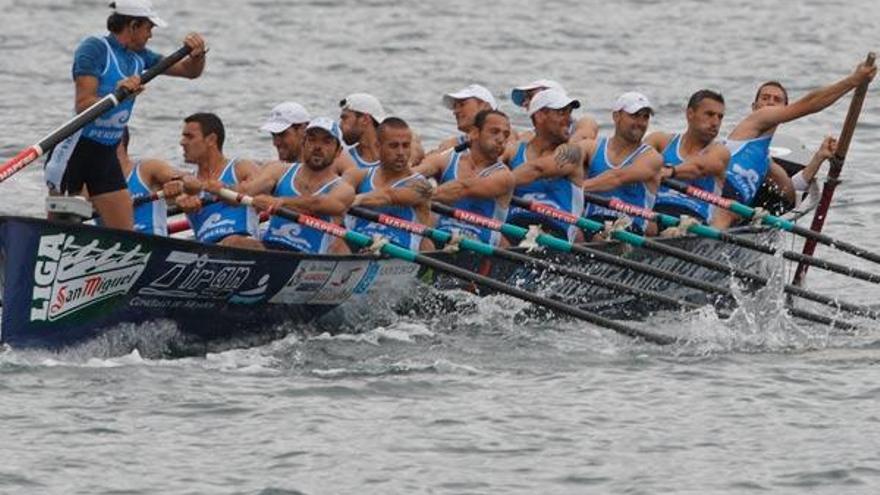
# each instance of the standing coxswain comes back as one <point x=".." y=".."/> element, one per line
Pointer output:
<point x="87" y="159"/>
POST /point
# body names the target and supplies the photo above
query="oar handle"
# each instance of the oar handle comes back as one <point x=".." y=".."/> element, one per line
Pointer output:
<point x="31" y="153"/>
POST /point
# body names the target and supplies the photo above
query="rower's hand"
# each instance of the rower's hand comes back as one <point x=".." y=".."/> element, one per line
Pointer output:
<point x="212" y="186"/>
<point x="864" y="73"/>
<point x="172" y="188"/>
<point x="197" y="43"/>
<point x="424" y="189"/>
<point x="191" y="185"/>
<point x="188" y="203"/>
<point x="265" y="202"/>
<point x="132" y="84"/>
<point x="827" y="149"/>
<point x="665" y="173"/>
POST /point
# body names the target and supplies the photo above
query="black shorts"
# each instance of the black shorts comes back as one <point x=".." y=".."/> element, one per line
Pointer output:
<point x="95" y="166"/>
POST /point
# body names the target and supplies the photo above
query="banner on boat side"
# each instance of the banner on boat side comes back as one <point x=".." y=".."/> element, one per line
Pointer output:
<point x="333" y="282"/>
<point x="203" y="280"/>
<point x="71" y="274"/>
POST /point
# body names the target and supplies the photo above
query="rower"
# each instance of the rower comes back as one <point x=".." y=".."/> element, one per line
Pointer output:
<point x="749" y="142"/>
<point x="392" y="187"/>
<point x="217" y="223"/>
<point x="312" y="187"/>
<point x="706" y="158"/>
<point x="475" y="180"/>
<point x="622" y="166"/>
<point x="521" y="96"/>
<point x="287" y="124"/>
<point x="359" y="120"/>
<point x="465" y="104"/>
<point x="145" y="177"/>
<point x="537" y="176"/>
<point x="87" y="159"/>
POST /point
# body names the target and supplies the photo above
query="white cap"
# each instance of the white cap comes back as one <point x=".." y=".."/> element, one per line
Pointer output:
<point x="364" y="103"/>
<point x="632" y="102"/>
<point x="519" y="93"/>
<point x="551" y="98"/>
<point x="328" y="125"/>
<point x="472" y="91"/>
<point x="138" y="8"/>
<point x="285" y="115"/>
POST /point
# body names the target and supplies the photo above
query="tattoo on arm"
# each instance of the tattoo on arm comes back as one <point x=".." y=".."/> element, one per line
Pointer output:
<point x="568" y="154"/>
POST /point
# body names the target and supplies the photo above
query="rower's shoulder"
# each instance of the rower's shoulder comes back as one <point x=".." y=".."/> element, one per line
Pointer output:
<point x="659" y="140"/>
<point x="585" y="127"/>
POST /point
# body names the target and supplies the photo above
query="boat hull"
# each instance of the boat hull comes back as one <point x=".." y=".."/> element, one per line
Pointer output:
<point x="64" y="284"/>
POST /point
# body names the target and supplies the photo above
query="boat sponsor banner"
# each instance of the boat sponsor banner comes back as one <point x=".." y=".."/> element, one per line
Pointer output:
<point x="342" y="282"/>
<point x="74" y="272"/>
<point x="307" y="279"/>
<point x="202" y="277"/>
<point x="386" y="276"/>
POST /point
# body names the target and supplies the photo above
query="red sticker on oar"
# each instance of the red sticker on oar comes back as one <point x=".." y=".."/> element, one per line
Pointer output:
<point x="631" y="209"/>
<point x="466" y="216"/>
<point x="402" y="224"/>
<point x="553" y="212"/>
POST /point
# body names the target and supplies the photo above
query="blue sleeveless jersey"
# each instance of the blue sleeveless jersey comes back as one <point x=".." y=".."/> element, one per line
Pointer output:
<point x="292" y="235"/>
<point x="121" y="63"/>
<point x="152" y="217"/>
<point x="677" y="201"/>
<point x="636" y="193"/>
<point x="360" y="161"/>
<point x="487" y="207"/>
<point x="749" y="163"/>
<point x="559" y="192"/>
<point x="401" y="238"/>
<point x="219" y="220"/>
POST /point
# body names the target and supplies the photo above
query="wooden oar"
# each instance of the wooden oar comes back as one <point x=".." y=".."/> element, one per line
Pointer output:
<point x="31" y="153"/>
<point x="644" y="243"/>
<point x="516" y="232"/>
<point x="363" y="241"/>
<point x="701" y="230"/>
<point x="489" y="250"/>
<point x="771" y="220"/>
<point x="846" y="134"/>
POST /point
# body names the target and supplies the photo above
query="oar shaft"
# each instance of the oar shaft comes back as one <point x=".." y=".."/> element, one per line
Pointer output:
<point x="772" y="220"/>
<point x="642" y="242"/>
<point x="551" y="242"/>
<point x="486" y="249"/>
<point x="713" y="233"/>
<point x="31" y="153"/>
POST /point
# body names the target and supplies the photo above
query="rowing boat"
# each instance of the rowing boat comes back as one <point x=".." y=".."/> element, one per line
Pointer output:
<point x="64" y="283"/>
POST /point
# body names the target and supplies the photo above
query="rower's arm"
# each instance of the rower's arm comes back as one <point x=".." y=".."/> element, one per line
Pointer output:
<point x="444" y="145"/>
<point x="86" y="92"/>
<point x="713" y="161"/>
<point x="781" y="181"/>
<point x="416" y="192"/>
<point x="565" y="162"/>
<point x="335" y="203"/>
<point x="494" y="185"/>
<point x="432" y="165"/>
<point x="263" y="182"/>
<point x="158" y="172"/>
<point x="645" y="168"/>
<point x="760" y="121"/>
<point x="193" y="65"/>
<point x="658" y="140"/>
